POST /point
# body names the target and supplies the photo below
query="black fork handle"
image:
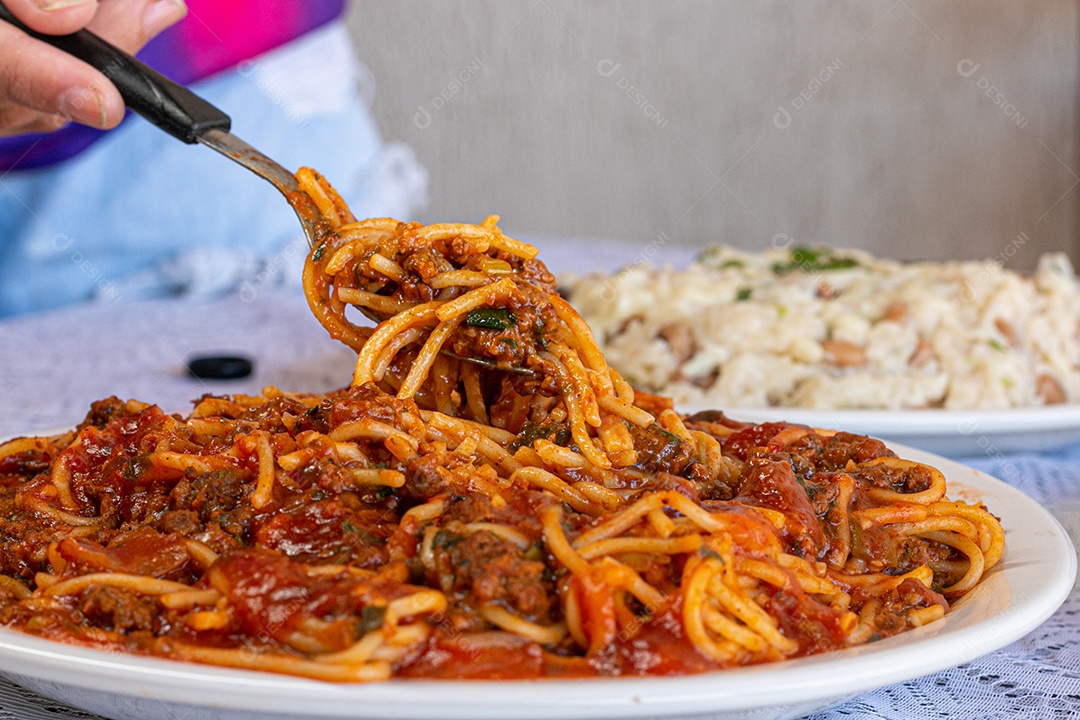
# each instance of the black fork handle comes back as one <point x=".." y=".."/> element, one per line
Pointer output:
<point x="166" y="104"/>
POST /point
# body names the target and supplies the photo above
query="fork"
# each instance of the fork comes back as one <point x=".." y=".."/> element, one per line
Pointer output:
<point x="181" y="113"/>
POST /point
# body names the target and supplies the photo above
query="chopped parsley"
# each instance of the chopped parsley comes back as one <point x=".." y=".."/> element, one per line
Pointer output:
<point x="371" y="618"/>
<point x="813" y="260"/>
<point x="490" y="318"/>
<point x="669" y="437"/>
<point x="445" y="539"/>
<point x="706" y="255"/>
<point x="531" y="432"/>
<point x="706" y="552"/>
<point x="135" y="467"/>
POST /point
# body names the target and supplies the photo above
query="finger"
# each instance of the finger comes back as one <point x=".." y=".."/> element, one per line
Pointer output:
<point x="18" y="120"/>
<point x="53" y="17"/>
<point x="43" y="78"/>
<point x="44" y="124"/>
<point x="130" y="24"/>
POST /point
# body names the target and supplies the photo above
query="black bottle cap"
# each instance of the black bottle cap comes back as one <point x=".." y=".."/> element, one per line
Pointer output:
<point x="219" y="367"/>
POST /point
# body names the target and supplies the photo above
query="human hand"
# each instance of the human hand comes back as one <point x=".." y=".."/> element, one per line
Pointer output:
<point x="42" y="88"/>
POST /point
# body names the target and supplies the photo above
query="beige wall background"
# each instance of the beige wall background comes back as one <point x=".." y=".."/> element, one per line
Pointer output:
<point x="910" y="128"/>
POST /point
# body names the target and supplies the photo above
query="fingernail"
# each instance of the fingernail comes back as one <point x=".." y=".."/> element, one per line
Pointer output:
<point x="54" y="5"/>
<point x="84" y="105"/>
<point x="161" y="14"/>
<point x="103" y="117"/>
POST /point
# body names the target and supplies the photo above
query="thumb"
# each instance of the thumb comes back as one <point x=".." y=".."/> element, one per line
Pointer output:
<point x="130" y="24"/>
<point x="53" y="17"/>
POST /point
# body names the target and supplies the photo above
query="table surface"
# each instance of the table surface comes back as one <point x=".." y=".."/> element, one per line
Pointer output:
<point x="52" y="366"/>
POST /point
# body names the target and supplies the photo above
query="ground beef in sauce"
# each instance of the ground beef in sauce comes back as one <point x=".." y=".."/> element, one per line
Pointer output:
<point x="118" y="609"/>
<point x="843" y="447"/>
<point x="482" y="568"/>
<point x="660" y="450"/>
<point x="211" y="494"/>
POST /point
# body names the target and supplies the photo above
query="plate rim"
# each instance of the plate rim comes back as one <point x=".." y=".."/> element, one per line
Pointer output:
<point x="784" y="683"/>
<point x="917" y="422"/>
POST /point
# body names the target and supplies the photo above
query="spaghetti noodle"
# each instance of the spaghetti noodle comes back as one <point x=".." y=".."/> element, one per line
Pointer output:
<point x="486" y="499"/>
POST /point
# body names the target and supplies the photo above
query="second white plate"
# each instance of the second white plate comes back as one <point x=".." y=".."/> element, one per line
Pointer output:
<point x="952" y="433"/>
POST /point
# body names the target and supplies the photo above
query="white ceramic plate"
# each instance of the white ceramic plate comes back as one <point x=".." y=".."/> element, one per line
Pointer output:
<point x="952" y="433"/>
<point x="1034" y="578"/>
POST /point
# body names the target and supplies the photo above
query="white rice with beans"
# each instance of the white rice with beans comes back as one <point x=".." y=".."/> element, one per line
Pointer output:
<point x="840" y="329"/>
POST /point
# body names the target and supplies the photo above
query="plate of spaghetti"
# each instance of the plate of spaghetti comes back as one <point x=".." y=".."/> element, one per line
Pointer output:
<point x="490" y="522"/>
